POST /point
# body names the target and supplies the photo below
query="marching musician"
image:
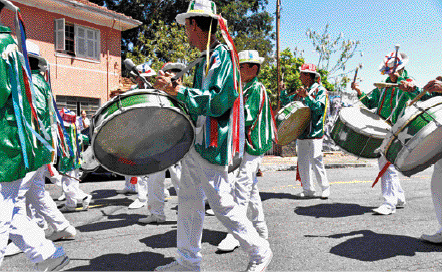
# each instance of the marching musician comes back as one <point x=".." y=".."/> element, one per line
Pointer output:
<point x="20" y="154"/>
<point x="390" y="103"/>
<point x="434" y="88"/>
<point x="310" y="142"/>
<point x="260" y="129"/>
<point x="155" y="188"/>
<point x="211" y="102"/>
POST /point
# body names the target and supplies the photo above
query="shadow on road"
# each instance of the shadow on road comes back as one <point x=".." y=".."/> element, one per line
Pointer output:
<point x="141" y="261"/>
<point x="125" y="220"/>
<point x="333" y="210"/>
<point x="267" y="195"/>
<point x="369" y="246"/>
<point x="168" y="239"/>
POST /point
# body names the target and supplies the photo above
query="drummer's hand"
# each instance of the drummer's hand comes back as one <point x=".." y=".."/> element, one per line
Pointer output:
<point x="407" y="86"/>
<point x="302" y="92"/>
<point x="434" y="86"/>
<point x="355" y="87"/>
<point x="163" y="83"/>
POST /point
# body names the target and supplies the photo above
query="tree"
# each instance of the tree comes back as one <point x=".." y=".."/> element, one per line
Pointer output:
<point x="333" y="56"/>
<point x="249" y="25"/>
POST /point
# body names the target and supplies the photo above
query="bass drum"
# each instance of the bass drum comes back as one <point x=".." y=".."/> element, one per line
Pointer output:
<point x="292" y="120"/>
<point x="415" y="140"/>
<point x="141" y="132"/>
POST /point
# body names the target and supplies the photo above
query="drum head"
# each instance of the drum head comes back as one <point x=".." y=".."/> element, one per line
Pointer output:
<point x="143" y="140"/>
<point x="364" y="121"/>
<point x="293" y="126"/>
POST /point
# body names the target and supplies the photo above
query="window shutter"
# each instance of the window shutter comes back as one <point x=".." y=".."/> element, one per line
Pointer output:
<point x="60" y="34"/>
<point x="97" y="49"/>
<point x="80" y="42"/>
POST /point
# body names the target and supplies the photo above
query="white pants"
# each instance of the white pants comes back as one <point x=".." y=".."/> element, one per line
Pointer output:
<point x="42" y="202"/>
<point x="310" y="158"/>
<point x="247" y="194"/>
<point x="436" y="191"/>
<point x="142" y="188"/>
<point x="70" y="187"/>
<point x="199" y="176"/>
<point x="128" y="185"/>
<point x="15" y="224"/>
<point x="392" y="191"/>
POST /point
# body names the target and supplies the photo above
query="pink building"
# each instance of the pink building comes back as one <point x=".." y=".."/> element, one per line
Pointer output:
<point x="81" y="42"/>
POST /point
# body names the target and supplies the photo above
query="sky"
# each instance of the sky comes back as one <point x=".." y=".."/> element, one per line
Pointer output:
<point x="379" y="25"/>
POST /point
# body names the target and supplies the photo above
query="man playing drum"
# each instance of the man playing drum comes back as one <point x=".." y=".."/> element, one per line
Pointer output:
<point x="211" y="103"/>
<point x="310" y="142"/>
<point x="260" y="134"/>
<point x="434" y="87"/>
<point x="390" y="103"/>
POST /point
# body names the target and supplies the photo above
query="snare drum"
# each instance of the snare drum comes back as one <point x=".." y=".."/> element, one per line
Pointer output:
<point x="359" y="131"/>
<point x="141" y="132"/>
<point x="415" y="140"/>
<point x="292" y="120"/>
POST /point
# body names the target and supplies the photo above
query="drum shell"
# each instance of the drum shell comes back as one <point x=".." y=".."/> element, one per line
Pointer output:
<point x="353" y="140"/>
<point x="126" y="157"/>
<point x="291" y="121"/>
<point x="422" y="138"/>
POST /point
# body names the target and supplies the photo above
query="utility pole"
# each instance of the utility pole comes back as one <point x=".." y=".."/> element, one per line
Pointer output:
<point x="278" y="52"/>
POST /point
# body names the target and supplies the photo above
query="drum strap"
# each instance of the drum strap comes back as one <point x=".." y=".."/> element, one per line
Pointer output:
<point x="381" y="173"/>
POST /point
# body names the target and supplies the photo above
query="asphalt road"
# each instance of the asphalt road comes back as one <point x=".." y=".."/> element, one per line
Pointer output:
<point x="337" y="234"/>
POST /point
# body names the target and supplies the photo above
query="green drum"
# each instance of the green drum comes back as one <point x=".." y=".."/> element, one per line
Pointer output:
<point x="415" y="140"/>
<point x="141" y="132"/>
<point x="292" y="120"/>
<point x="359" y="131"/>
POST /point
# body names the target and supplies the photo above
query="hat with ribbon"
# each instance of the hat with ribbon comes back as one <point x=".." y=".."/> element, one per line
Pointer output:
<point x="309" y="68"/>
<point x="34" y="52"/>
<point x="173" y="66"/>
<point x="390" y="60"/>
<point x="145" y="70"/>
<point x="250" y="56"/>
<point x="202" y="8"/>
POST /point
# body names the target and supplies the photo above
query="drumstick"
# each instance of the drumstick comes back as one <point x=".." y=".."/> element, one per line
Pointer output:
<point x="361" y="98"/>
<point x="355" y="76"/>
<point x="417" y="97"/>
<point x="395" y="59"/>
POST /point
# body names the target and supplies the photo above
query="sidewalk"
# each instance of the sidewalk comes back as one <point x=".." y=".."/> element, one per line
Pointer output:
<point x="330" y="159"/>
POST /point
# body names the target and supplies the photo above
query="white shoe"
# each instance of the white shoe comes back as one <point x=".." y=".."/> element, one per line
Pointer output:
<point x="326" y="193"/>
<point x="67" y="209"/>
<point x="152" y="219"/>
<point x="67" y="234"/>
<point x="306" y="194"/>
<point x="210" y="212"/>
<point x="86" y="202"/>
<point x="174" y="266"/>
<point x="260" y="266"/>
<point x="62" y="197"/>
<point x="166" y="193"/>
<point x="435" y="239"/>
<point x="137" y="204"/>
<point x="12" y="249"/>
<point x="229" y="244"/>
<point x="384" y="210"/>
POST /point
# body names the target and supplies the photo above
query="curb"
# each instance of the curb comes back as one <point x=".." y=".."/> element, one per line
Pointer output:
<point x="327" y="166"/>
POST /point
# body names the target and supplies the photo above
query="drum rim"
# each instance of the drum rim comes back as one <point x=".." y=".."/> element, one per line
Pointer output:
<point x="358" y="130"/>
<point x="115" y="114"/>
<point x="403" y="123"/>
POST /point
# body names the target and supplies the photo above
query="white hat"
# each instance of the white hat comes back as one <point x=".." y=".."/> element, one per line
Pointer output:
<point x="387" y="65"/>
<point x="173" y="66"/>
<point x="250" y="56"/>
<point x="309" y="68"/>
<point x="145" y="70"/>
<point x="34" y="52"/>
<point x="203" y="8"/>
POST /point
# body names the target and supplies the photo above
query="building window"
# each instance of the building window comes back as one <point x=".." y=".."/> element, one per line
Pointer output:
<point x="77" y="40"/>
<point x="78" y="104"/>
